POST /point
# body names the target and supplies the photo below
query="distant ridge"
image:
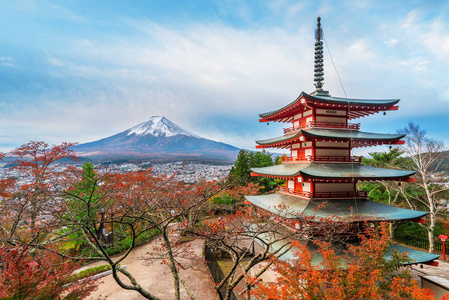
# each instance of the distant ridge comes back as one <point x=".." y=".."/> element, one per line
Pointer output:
<point x="157" y="139"/>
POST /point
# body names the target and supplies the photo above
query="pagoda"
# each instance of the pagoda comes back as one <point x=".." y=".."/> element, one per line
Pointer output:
<point x="321" y="174"/>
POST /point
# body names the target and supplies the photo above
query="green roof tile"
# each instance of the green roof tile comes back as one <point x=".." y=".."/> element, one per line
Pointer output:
<point x="292" y="207"/>
<point x="332" y="171"/>
<point x="336" y="100"/>
<point x="416" y="256"/>
<point x="334" y="134"/>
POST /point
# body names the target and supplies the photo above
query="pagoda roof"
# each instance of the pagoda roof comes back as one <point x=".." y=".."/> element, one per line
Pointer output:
<point x="331" y="134"/>
<point x="291" y="207"/>
<point x="353" y="105"/>
<point x="332" y="171"/>
<point x="416" y="256"/>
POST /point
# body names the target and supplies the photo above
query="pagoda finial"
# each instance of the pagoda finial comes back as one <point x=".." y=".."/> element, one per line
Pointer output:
<point x="319" y="56"/>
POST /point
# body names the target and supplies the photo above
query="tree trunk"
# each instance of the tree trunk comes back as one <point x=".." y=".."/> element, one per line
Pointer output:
<point x="172" y="262"/>
<point x="432" y="217"/>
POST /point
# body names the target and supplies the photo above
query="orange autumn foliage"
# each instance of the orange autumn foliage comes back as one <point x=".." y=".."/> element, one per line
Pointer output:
<point x="362" y="272"/>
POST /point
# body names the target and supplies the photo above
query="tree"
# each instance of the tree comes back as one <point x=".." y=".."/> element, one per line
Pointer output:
<point x="362" y="272"/>
<point x="385" y="191"/>
<point x="37" y="162"/>
<point x="240" y="174"/>
<point x="6" y="185"/>
<point x="72" y="207"/>
<point x="46" y="277"/>
<point x="136" y="202"/>
<point x="427" y="155"/>
<point x="254" y="239"/>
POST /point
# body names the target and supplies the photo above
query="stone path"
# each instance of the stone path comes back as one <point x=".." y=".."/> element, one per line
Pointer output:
<point x="442" y="270"/>
<point x="156" y="277"/>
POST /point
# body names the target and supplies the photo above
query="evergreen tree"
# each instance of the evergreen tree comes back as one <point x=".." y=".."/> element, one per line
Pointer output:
<point x="240" y="174"/>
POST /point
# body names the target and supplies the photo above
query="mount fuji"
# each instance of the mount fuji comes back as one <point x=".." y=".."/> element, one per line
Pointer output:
<point x="157" y="139"/>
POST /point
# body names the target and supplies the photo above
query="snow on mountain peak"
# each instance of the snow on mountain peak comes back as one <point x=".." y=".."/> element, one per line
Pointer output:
<point x="159" y="126"/>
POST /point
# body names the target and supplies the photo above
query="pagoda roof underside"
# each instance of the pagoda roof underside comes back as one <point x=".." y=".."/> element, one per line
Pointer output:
<point x="291" y="207"/>
<point x="361" y="138"/>
<point x="356" y="107"/>
<point x="332" y="171"/>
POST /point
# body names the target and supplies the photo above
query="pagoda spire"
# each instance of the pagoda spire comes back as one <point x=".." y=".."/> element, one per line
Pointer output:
<point x="319" y="70"/>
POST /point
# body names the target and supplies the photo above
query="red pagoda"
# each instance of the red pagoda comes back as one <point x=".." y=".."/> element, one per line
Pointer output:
<point x="321" y="171"/>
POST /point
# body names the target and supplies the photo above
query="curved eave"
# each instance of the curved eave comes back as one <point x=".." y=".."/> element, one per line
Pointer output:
<point x="279" y="141"/>
<point x="358" y="138"/>
<point x="291" y="207"/>
<point x="332" y="171"/>
<point x="357" y="107"/>
<point x="363" y="103"/>
<point x="283" y="112"/>
<point x="416" y="256"/>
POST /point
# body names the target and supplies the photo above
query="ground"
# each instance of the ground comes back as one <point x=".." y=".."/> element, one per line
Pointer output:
<point x="157" y="279"/>
<point x="156" y="276"/>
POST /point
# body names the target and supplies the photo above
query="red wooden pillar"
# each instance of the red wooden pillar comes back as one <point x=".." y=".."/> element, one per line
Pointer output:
<point x="443" y="238"/>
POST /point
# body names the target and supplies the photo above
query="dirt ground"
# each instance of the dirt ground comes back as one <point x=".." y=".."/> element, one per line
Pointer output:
<point x="156" y="277"/>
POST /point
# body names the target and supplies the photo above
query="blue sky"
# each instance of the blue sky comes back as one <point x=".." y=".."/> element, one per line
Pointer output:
<point x="79" y="71"/>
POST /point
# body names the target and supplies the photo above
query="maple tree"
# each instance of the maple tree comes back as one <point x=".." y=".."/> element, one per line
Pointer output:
<point x="23" y="276"/>
<point x="253" y="238"/>
<point x="5" y="184"/>
<point x="37" y="164"/>
<point x="66" y="211"/>
<point x="361" y="272"/>
<point x="136" y="203"/>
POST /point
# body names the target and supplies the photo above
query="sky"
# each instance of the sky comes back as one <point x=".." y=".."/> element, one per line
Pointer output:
<point x="82" y="70"/>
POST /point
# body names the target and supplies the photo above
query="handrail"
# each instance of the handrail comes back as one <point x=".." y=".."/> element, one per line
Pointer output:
<point x="350" y="126"/>
<point x="288" y="159"/>
<point x="339" y="194"/>
<point x="323" y="194"/>
<point x="283" y="189"/>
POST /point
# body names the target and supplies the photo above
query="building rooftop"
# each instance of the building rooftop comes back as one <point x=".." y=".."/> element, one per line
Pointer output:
<point x="332" y="171"/>
<point x="416" y="256"/>
<point x="330" y="134"/>
<point x="291" y="207"/>
<point x="351" y="104"/>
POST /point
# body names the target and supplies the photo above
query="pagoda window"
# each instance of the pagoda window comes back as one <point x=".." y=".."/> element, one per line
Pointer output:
<point x="308" y="152"/>
<point x="307" y="113"/>
<point x="306" y="187"/>
<point x="309" y="120"/>
<point x="291" y="184"/>
<point x="294" y="153"/>
<point x="297" y="117"/>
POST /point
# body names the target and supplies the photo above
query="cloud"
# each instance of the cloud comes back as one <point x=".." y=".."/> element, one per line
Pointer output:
<point x="7" y="62"/>
<point x="391" y="42"/>
<point x="215" y="76"/>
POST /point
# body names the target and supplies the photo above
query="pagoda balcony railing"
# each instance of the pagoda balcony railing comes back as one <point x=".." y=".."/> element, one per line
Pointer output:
<point x="283" y="189"/>
<point x="335" y="125"/>
<point x="357" y="194"/>
<point x="355" y="159"/>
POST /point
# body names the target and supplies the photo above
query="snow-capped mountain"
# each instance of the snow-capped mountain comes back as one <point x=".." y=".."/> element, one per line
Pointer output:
<point x="159" y="126"/>
<point x="157" y="139"/>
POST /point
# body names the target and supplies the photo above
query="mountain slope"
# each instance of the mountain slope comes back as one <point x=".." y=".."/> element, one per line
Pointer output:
<point x="157" y="139"/>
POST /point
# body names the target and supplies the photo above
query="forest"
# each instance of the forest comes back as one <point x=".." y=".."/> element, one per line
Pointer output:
<point x="63" y="217"/>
